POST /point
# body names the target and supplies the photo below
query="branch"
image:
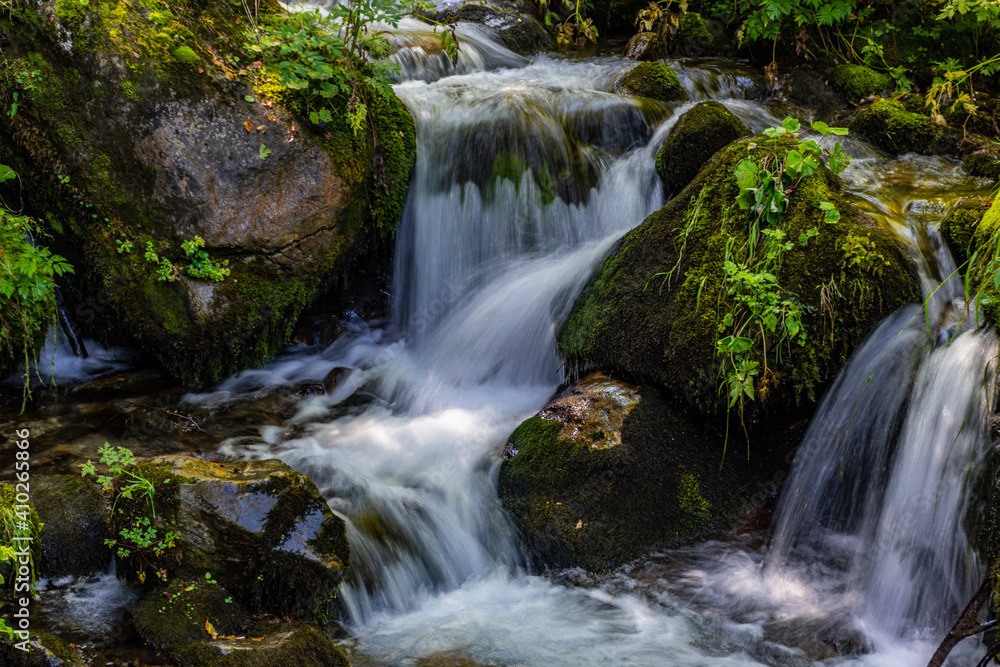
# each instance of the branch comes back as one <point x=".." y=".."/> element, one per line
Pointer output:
<point x="966" y="626"/>
<point x="168" y="412"/>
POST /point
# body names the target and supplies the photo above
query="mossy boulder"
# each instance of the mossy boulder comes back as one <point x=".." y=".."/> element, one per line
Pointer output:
<point x="45" y="649"/>
<point x="693" y="38"/>
<point x="299" y="644"/>
<point x="856" y="82"/>
<point x="984" y="238"/>
<point x="698" y="135"/>
<point x="887" y="124"/>
<point x="177" y="614"/>
<point x="655" y="80"/>
<point x="259" y="528"/>
<point x="959" y="227"/>
<point x="983" y="163"/>
<point x="654" y="308"/>
<point x="610" y="470"/>
<point x="138" y="135"/>
<point x="74" y="514"/>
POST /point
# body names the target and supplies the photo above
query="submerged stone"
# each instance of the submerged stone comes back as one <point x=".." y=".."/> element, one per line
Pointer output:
<point x="698" y="135"/>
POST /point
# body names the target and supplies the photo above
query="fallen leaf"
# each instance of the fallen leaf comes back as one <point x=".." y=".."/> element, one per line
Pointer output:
<point x="272" y="118"/>
<point x="262" y="128"/>
<point x="211" y="630"/>
<point x="249" y="126"/>
<point x="256" y="64"/>
<point x="201" y="70"/>
<point x="257" y="639"/>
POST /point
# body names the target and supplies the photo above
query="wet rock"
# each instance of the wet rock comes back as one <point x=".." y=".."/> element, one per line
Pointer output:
<point x="335" y="378"/>
<point x="312" y="389"/>
<point x="856" y="82"/>
<point x="642" y="46"/>
<point x="287" y="204"/>
<point x="646" y="312"/>
<point x="609" y="470"/>
<point x="299" y="644"/>
<point x="261" y="529"/>
<point x="74" y="517"/>
<point x="698" y="135"/>
<point x="693" y="37"/>
<point x="655" y="80"/>
<point x="176" y="614"/>
<point x="807" y="90"/>
<point x="515" y="23"/>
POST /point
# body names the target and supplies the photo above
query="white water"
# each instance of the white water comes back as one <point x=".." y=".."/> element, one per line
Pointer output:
<point x="486" y="269"/>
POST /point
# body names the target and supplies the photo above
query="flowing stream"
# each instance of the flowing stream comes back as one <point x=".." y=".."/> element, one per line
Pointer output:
<point x="528" y="172"/>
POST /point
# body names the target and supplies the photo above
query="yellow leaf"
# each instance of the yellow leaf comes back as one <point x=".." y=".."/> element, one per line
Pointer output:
<point x="211" y="630"/>
<point x="250" y="127"/>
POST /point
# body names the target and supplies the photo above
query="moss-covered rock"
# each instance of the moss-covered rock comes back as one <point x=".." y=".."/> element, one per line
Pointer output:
<point x="983" y="163"/>
<point x="138" y="134"/>
<point x="515" y="23"/>
<point x="74" y="514"/>
<point x="177" y="614"/>
<point x="610" y="470"/>
<point x="984" y="243"/>
<point x="887" y="124"/>
<point x="653" y="308"/>
<point x="693" y="38"/>
<point x="855" y="82"/>
<point x="959" y="226"/>
<point x="300" y="645"/>
<point x="45" y="649"/>
<point x="261" y="529"/>
<point x="698" y="135"/>
<point x="655" y="80"/>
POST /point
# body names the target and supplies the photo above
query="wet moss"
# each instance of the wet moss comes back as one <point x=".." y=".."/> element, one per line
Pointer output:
<point x="655" y="80"/>
<point x="652" y="310"/>
<point x="597" y="508"/>
<point x="185" y="55"/>
<point x="45" y="650"/>
<point x="693" y="38"/>
<point x="177" y="613"/>
<point x="959" y="226"/>
<point x="984" y="163"/>
<point x="698" y="135"/>
<point x="74" y="514"/>
<point x="887" y="124"/>
<point x="856" y="82"/>
<point x="300" y="645"/>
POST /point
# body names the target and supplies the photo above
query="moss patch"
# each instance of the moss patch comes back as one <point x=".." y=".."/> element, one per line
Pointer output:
<point x="176" y="614"/>
<point x="300" y="645"/>
<point x="856" y="82"/>
<point x="75" y="514"/>
<point x="655" y="80"/>
<point x="959" y="226"/>
<point x="698" y="135"/>
<point x="984" y="163"/>
<point x="888" y="125"/>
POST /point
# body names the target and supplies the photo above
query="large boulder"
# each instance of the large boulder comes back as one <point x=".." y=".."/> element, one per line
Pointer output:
<point x="698" y="135"/>
<point x="515" y="23"/>
<point x="655" y="80"/>
<point x="258" y="528"/>
<point x="135" y="132"/>
<point x="655" y="309"/>
<point x="609" y="470"/>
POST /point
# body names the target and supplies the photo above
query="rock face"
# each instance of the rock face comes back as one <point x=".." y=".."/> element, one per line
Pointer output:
<point x="646" y="312"/>
<point x="131" y="143"/>
<point x="73" y="513"/>
<point x="259" y="528"/>
<point x="959" y="226"/>
<point x="655" y="80"/>
<point x="642" y="46"/>
<point x="698" y="135"/>
<point x="609" y="470"/>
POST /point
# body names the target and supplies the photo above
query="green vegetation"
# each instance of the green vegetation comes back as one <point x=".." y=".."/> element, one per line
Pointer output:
<point x="137" y="541"/>
<point x="19" y="528"/>
<point x="655" y="80"/>
<point x="27" y="289"/>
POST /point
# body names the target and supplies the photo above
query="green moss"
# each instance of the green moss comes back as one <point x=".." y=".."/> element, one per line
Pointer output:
<point x="655" y="80"/>
<point x="636" y="320"/>
<point x="689" y="497"/>
<point x="693" y="38"/>
<point x="45" y="649"/>
<point x="984" y="163"/>
<point x="130" y="91"/>
<point x="185" y="55"/>
<point x="299" y="645"/>
<point x="887" y="124"/>
<point x="959" y="226"/>
<point x="176" y="614"/>
<point x="74" y="515"/>
<point x="856" y="82"/>
<point x="698" y="135"/>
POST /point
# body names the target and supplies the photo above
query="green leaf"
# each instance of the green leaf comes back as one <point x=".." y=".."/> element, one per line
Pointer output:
<point x="791" y="125"/>
<point x="6" y="173"/>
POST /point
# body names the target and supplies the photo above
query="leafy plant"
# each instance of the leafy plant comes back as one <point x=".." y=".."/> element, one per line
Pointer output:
<point x="201" y="265"/>
<point x="27" y="285"/>
<point x="574" y="27"/>
<point x="165" y="269"/>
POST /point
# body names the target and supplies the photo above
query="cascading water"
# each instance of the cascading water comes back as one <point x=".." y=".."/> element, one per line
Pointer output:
<point x="527" y="174"/>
